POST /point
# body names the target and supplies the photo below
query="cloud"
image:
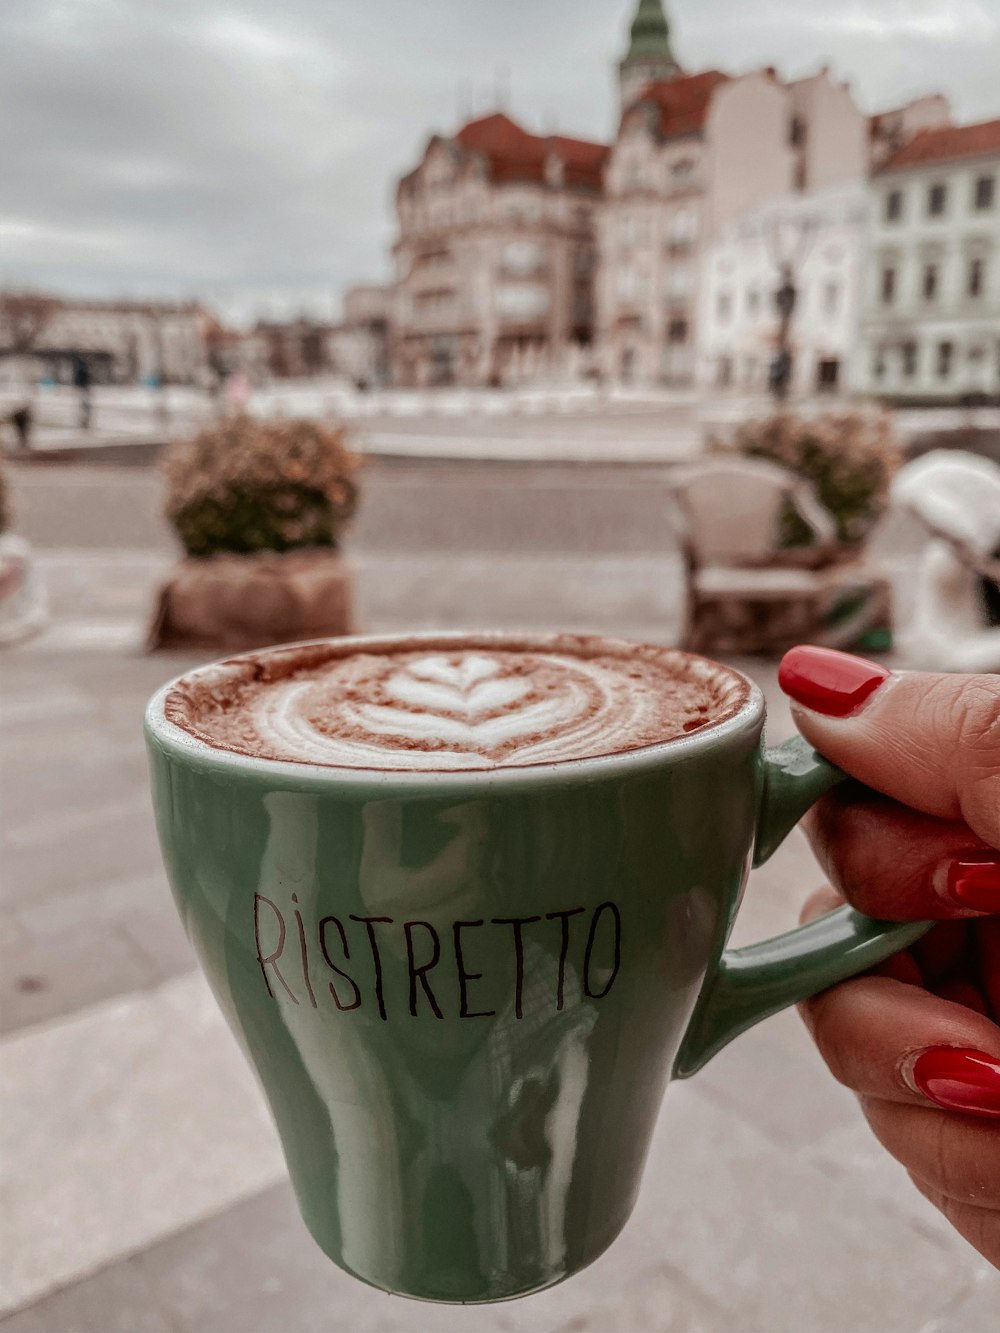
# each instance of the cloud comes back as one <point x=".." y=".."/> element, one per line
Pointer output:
<point x="248" y="151"/>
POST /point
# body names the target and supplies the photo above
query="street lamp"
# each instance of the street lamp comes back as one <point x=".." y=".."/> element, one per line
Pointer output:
<point x="788" y="239"/>
<point x="784" y="302"/>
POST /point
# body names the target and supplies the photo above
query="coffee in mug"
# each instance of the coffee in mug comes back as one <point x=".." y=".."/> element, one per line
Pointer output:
<point x="436" y="706"/>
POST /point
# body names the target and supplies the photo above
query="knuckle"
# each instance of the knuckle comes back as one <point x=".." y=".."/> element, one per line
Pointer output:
<point x="965" y="724"/>
<point x="978" y="705"/>
<point x="957" y="1166"/>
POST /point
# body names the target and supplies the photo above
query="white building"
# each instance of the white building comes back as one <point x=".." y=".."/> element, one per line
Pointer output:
<point x="359" y="345"/>
<point x="930" y="329"/>
<point x="820" y="237"/>
<point x="123" y="341"/>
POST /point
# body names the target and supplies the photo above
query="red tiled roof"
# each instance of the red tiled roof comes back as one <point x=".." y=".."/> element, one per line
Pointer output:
<point x="514" y="154"/>
<point x="583" y="161"/>
<point x="946" y="145"/>
<point x="683" y="103"/>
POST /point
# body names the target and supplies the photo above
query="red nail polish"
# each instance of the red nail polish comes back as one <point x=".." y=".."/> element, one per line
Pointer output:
<point x="835" y="684"/>
<point x="974" y="881"/>
<point x="959" y="1080"/>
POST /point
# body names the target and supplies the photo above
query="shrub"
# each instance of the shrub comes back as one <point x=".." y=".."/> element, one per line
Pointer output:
<point x="246" y="486"/>
<point x="849" y="457"/>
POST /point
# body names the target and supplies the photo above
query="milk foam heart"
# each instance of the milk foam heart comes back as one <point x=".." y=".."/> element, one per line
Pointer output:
<point x="451" y="705"/>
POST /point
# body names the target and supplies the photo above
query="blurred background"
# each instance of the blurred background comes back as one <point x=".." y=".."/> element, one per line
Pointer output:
<point x="675" y="321"/>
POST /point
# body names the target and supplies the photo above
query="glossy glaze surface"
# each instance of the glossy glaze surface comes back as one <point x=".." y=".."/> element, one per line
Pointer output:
<point x="464" y="995"/>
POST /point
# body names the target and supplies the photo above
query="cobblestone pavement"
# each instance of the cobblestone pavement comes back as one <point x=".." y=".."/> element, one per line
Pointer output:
<point x="146" y="1192"/>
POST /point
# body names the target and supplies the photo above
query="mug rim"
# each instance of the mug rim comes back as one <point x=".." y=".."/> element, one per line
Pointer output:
<point x="184" y="746"/>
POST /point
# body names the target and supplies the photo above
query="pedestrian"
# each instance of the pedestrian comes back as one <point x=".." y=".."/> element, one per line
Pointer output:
<point x="917" y="1038"/>
<point x="21" y="419"/>
<point x="82" y="381"/>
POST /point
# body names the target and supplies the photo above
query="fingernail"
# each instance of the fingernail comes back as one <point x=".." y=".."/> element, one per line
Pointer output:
<point x="835" y="684"/>
<point x="974" y="881"/>
<point x="958" y="1079"/>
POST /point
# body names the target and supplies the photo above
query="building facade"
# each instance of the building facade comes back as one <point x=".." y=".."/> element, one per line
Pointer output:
<point x="657" y="260"/>
<point x="123" y="342"/>
<point x="930" y="327"/>
<point x="359" y="344"/>
<point x="818" y="238"/>
<point x="495" y="256"/>
<point x="694" y="156"/>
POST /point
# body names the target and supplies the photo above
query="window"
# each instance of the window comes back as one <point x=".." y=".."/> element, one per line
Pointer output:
<point x="930" y="281"/>
<point x="894" y="206"/>
<point x="831" y="299"/>
<point x="677" y="331"/>
<point x="937" y="198"/>
<point x="682" y="227"/>
<point x="753" y="301"/>
<point x="626" y="230"/>
<point x="945" y="352"/>
<point x="679" y="281"/>
<point x="983" y="194"/>
<point x="723" y="306"/>
<point x="683" y="169"/>
<point x="522" y="300"/>
<point x="524" y="210"/>
<point x="827" y="374"/>
<point x="909" y="359"/>
<point x="724" y="372"/>
<point x="796" y="131"/>
<point x="522" y="257"/>
<point x="583" y="263"/>
<point x="628" y="283"/>
<point x="888" y="285"/>
<point x="976" y="277"/>
<point x="878" y="364"/>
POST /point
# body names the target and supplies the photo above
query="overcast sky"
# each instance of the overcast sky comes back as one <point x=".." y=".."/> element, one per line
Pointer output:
<point x="246" y="152"/>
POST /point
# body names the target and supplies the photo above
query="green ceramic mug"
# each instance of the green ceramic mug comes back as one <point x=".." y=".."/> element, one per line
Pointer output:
<point x="464" y="993"/>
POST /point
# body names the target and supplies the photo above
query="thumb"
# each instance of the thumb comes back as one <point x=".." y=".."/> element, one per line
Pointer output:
<point x="930" y="741"/>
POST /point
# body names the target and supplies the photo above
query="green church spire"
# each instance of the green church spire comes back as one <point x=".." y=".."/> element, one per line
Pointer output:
<point x="649" y="57"/>
<point x="650" y="35"/>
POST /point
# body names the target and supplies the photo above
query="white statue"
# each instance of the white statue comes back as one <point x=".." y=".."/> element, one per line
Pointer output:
<point x="956" y="496"/>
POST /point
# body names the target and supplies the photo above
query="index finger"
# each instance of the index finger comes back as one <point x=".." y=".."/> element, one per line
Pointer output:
<point x="930" y="741"/>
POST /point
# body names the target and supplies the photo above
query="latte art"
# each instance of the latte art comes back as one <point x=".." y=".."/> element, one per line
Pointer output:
<point x="448" y="706"/>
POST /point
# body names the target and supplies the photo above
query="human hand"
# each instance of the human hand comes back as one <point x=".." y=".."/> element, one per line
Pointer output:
<point x="917" y="1039"/>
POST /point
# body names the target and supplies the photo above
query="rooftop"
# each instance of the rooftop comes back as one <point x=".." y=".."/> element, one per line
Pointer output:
<point x="683" y="103"/>
<point x="515" y="154"/>
<point x="948" y="144"/>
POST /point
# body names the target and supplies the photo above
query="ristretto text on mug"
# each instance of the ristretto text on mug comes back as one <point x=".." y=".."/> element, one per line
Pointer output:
<point x="343" y="961"/>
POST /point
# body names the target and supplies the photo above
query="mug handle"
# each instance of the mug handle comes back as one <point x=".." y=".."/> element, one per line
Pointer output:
<point x="752" y="983"/>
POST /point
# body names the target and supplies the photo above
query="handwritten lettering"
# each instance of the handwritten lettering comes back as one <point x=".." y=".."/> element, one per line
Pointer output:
<point x="436" y="981"/>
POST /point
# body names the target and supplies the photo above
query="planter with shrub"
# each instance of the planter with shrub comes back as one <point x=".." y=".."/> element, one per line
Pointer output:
<point x="849" y="458"/>
<point x="260" y="508"/>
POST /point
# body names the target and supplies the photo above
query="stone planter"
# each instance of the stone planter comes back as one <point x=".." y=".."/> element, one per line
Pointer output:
<point x="233" y="602"/>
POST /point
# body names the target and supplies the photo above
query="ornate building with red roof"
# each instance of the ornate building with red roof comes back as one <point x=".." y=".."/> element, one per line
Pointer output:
<point x="495" y="255"/>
